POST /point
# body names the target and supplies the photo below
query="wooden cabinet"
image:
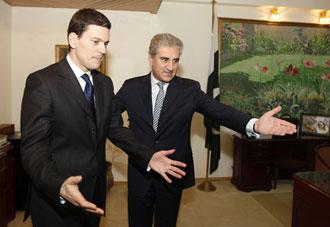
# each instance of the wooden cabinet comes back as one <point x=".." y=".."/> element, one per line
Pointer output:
<point x="252" y="159"/>
<point x="7" y="212"/>
<point x="251" y="169"/>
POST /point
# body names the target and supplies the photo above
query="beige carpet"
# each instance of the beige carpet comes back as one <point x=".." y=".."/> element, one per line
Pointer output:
<point x="225" y="207"/>
<point x="278" y="204"/>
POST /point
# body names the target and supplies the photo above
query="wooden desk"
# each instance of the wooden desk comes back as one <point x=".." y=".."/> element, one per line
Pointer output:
<point x="7" y="212"/>
<point x="311" y="199"/>
<point x="252" y="158"/>
<point x="21" y="179"/>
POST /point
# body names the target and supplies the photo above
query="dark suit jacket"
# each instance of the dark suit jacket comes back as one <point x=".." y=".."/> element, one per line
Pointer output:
<point x="60" y="137"/>
<point x="183" y="98"/>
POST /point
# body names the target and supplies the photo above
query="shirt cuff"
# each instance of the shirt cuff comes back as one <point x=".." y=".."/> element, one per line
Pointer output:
<point x="249" y="129"/>
<point x="148" y="169"/>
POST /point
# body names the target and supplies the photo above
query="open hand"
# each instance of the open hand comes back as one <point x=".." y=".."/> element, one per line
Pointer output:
<point x="70" y="192"/>
<point x="270" y="125"/>
<point x="160" y="163"/>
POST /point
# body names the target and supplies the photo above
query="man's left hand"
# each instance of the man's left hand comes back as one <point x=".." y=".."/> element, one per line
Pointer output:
<point x="163" y="165"/>
<point x="270" y="125"/>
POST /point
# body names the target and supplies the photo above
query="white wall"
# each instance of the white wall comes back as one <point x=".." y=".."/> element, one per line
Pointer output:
<point x="35" y="31"/>
<point x="5" y="59"/>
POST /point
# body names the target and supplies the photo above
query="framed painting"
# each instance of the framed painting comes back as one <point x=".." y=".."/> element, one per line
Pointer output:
<point x="61" y="51"/>
<point x="314" y="124"/>
<point x="265" y="64"/>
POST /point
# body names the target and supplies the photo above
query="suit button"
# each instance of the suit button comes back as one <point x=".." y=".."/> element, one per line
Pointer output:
<point x="93" y="131"/>
<point x="156" y="141"/>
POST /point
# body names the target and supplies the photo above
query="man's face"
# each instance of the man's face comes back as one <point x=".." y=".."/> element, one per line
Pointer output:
<point x="164" y="64"/>
<point x="87" y="50"/>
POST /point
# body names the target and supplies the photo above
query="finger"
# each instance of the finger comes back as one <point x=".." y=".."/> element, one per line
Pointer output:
<point x="97" y="211"/>
<point x="167" y="152"/>
<point x="178" y="171"/>
<point x="287" y="124"/>
<point x="88" y="205"/>
<point x="174" y="174"/>
<point x="75" y="179"/>
<point x="166" y="177"/>
<point x="274" y="111"/>
<point x="178" y="163"/>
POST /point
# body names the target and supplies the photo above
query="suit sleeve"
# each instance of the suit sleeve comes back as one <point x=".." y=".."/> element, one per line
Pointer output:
<point x="36" y="129"/>
<point x="124" y="137"/>
<point x="224" y="114"/>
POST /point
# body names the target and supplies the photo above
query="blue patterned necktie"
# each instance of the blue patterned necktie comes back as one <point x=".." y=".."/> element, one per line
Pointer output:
<point x="158" y="105"/>
<point x="89" y="92"/>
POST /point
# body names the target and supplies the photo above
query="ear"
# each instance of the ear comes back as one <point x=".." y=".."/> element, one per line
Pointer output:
<point x="150" y="59"/>
<point x="72" y="39"/>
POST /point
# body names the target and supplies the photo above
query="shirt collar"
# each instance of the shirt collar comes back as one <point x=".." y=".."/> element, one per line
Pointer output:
<point x="154" y="81"/>
<point x="76" y="70"/>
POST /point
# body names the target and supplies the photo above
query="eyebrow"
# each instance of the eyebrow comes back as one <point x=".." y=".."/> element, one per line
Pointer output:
<point x="99" y="39"/>
<point x="162" y="57"/>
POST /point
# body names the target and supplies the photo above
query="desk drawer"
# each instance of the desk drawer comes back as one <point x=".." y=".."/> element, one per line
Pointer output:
<point x="259" y="152"/>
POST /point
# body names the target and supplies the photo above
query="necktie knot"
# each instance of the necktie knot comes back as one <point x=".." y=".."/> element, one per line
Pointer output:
<point x="161" y="85"/>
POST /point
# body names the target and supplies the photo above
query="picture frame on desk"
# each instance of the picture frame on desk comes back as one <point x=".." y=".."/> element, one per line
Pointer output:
<point x="314" y="125"/>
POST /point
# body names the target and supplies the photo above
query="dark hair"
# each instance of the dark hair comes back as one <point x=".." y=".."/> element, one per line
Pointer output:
<point x="84" y="17"/>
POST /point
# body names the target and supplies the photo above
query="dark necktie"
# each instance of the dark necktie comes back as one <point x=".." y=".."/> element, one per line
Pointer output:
<point x="89" y="92"/>
<point x="158" y="105"/>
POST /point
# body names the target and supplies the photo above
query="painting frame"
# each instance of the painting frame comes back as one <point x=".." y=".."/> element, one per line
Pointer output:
<point x="61" y="51"/>
<point x="314" y="125"/>
<point x="256" y="96"/>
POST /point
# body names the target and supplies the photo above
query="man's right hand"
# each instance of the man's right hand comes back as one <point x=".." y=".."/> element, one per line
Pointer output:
<point x="160" y="163"/>
<point x="70" y="192"/>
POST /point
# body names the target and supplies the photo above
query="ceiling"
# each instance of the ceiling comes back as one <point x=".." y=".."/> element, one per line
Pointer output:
<point x="151" y="6"/>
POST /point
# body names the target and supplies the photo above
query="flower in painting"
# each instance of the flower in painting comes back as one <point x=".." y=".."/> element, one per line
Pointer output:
<point x="326" y="77"/>
<point x="292" y="70"/>
<point x="309" y="64"/>
<point x="264" y="69"/>
<point x="327" y="63"/>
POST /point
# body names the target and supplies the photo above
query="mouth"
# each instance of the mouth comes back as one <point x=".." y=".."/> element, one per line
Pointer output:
<point x="100" y="58"/>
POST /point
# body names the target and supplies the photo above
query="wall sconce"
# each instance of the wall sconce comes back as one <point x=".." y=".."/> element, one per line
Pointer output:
<point x="275" y="14"/>
<point x="324" y="17"/>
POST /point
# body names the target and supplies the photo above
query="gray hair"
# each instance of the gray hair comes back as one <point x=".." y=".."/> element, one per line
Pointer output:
<point x="164" y="40"/>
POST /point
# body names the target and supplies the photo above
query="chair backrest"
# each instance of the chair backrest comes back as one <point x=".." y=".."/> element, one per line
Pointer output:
<point x="322" y="160"/>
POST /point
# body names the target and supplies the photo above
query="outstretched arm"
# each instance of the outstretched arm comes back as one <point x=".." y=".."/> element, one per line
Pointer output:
<point x="267" y="124"/>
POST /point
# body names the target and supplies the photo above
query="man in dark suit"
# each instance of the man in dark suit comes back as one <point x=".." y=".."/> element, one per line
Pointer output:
<point x="160" y="107"/>
<point x="65" y="120"/>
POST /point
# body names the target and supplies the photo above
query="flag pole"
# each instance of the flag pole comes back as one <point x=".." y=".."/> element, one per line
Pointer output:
<point x="207" y="185"/>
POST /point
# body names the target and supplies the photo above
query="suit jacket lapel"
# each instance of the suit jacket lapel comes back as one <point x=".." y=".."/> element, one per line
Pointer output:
<point x="72" y="86"/>
<point x="99" y="99"/>
<point x="146" y="96"/>
<point x="171" y="95"/>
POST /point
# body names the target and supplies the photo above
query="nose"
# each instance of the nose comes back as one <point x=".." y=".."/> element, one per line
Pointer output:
<point x="170" y="65"/>
<point x="102" y="48"/>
